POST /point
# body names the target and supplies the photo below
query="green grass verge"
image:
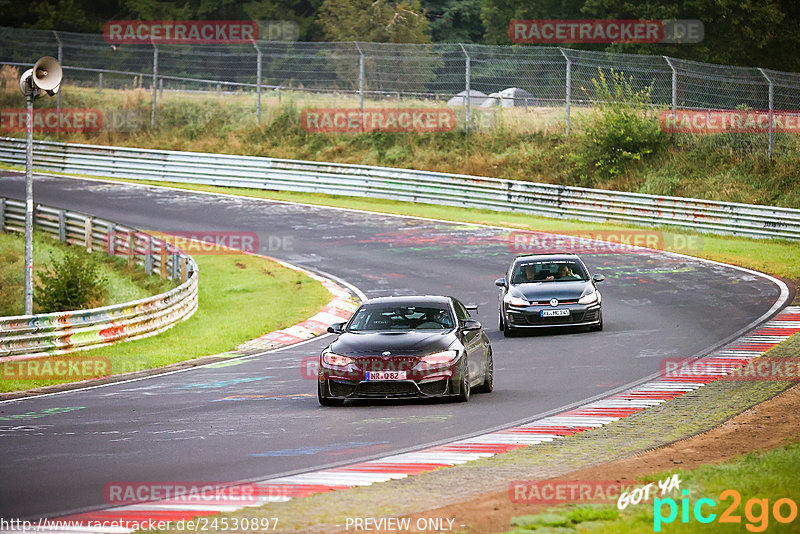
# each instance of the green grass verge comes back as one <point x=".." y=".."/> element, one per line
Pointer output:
<point x="775" y="256"/>
<point x="241" y="297"/>
<point x="764" y="477"/>
<point x="124" y="284"/>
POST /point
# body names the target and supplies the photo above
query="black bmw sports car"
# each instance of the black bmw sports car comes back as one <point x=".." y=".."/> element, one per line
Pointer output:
<point x="421" y="346"/>
<point x="546" y="290"/>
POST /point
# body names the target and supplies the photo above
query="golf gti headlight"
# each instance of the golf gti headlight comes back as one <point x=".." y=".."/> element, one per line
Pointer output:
<point x="445" y="356"/>
<point x="336" y="360"/>
<point x="589" y="296"/>
<point x="516" y="301"/>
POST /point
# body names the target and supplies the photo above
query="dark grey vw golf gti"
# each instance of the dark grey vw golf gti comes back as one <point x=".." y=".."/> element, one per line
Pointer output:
<point x="546" y="290"/>
<point x="421" y="346"/>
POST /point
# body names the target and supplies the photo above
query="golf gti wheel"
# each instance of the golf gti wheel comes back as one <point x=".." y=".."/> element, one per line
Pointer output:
<point x="323" y="398"/>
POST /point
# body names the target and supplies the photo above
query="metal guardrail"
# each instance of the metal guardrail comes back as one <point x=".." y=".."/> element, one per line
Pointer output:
<point x="29" y="336"/>
<point x="409" y="185"/>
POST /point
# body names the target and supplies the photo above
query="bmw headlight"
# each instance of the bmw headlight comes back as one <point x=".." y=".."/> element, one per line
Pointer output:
<point x="445" y="356"/>
<point x="516" y="301"/>
<point x="336" y="360"/>
<point x="589" y="296"/>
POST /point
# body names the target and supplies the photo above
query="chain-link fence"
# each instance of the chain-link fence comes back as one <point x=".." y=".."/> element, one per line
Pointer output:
<point x="548" y="79"/>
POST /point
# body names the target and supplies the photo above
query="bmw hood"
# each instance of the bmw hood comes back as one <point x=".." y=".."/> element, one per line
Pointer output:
<point x="398" y="343"/>
<point x="550" y="290"/>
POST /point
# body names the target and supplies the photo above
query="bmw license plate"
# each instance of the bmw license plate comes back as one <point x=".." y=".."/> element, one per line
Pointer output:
<point x="554" y="313"/>
<point x="386" y="375"/>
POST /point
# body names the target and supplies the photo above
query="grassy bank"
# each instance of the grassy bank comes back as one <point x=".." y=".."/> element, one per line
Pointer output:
<point x="241" y="297"/>
<point x="124" y="284"/>
<point x="516" y="143"/>
<point x="762" y="477"/>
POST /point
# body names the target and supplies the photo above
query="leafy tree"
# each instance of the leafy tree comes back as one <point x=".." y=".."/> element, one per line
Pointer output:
<point x="381" y="21"/>
<point x="72" y="283"/>
<point x="454" y="21"/>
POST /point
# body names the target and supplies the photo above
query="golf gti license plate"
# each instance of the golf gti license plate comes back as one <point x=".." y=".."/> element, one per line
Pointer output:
<point x="386" y="375"/>
<point x="555" y="313"/>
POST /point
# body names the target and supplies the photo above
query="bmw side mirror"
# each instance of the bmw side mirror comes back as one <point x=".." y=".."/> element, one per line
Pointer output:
<point x="598" y="278"/>
<point x="471" y="325"/>
<point x="500" y="282"/>
<point x="336" y="328"/>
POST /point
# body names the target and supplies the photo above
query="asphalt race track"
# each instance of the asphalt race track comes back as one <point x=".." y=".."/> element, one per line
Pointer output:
<point x="200" y="425"/>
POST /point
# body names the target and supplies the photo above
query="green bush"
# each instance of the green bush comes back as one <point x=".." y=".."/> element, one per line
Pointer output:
<point x="623" y="129"/>
<point x="73" y="282"/>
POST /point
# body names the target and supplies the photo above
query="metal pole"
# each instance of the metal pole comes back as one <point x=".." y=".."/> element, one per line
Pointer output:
<point x="360" y="86"/>
<point x="258" y="82"/>
<point x="99" y="82"/>
<point x="29" y="207"/>
<point x="771" y="111"/>
<point x="155" y="86"/>
<point x="569" y="88"/>
<point x="58" y="95"/>
<point x="467" y="76"/>
<point x="674" y="86"/>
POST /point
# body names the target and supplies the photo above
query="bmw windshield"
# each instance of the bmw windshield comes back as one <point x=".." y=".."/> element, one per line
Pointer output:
<point x="384" y="317"/>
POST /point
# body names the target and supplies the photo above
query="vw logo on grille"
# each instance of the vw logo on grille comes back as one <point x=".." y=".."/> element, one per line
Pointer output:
<point x="386" y="353"/>
<point x="554" y="302"/>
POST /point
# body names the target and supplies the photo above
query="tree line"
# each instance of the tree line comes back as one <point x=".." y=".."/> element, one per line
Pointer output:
<point x="764" y="33"/>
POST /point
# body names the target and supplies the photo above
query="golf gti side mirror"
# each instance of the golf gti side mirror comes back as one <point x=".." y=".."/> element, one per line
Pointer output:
<point x="336" y="328"/>
<point x="598" y="278"/>
<point x="471" y="325"/>
<point x="500" y="282"/>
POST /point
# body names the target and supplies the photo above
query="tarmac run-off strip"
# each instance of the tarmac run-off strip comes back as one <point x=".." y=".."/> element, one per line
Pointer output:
<point x="716" y="365"/>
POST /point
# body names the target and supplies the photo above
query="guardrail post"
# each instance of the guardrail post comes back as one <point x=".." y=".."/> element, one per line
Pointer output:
<point x="771" y="110"/>
<point x="674" y="86"/>
<point x="62" y="226"/>
<point x="2" y="215"/>
<point x="110" y="239"/>
<point x="155" y="86"/>
<point x="87" y="234"/>
<point x="258" y="81"/>
<point x="163" y="265"/>
<point x="467" y="76"/>
<point x="183" y="269"/>
<point x="174" y="269"/>
<point x="568" y="93"/>
<point x="131" y="250"/>
<point x="148" y="255"/>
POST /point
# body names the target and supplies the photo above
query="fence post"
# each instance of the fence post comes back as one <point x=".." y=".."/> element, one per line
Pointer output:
<point x="163" y="265"/>
<point x="131" y="249"/>
<point x="183" y="269"/>
<point x="111" y="238"/>
<point x="148" y="255"/>
<point x="62" y="226"/>
<point x="60" y="89"/>
<point x="674" y="86"/>
<point x="360" y="86"/>
<point x="771" y="110"/>
<point x="2" y="215"/>
<point x="155" y="86"/>
<point x="467" y="76"/>
<point x="258" y="81"/>
<point x="568" y="88"/>
<point x="87" y="234"/>
<point x="99" y="82"/>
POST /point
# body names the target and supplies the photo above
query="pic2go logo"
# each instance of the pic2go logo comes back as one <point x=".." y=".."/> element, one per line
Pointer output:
<point x="756" y="511"/>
